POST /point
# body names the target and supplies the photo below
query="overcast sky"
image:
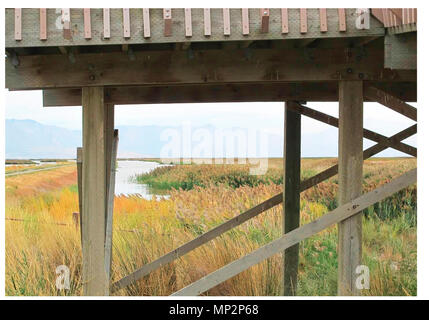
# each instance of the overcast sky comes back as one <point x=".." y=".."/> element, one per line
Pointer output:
<point x="257" y="115"/>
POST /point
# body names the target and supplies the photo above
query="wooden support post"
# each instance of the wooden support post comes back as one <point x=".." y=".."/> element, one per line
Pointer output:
<point x="79" y="187"/>
<point x="110" y="164"/>
<point x="111" y="175"/>
<point x="350" y="163"/>
<point x="291" y="195"/>
<point x="95" y="282"/>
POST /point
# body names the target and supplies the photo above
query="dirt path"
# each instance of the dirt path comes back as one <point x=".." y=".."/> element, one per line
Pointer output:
<point x="34" y="170"/>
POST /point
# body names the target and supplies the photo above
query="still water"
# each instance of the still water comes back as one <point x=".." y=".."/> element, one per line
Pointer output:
<point x="125" y="184"/>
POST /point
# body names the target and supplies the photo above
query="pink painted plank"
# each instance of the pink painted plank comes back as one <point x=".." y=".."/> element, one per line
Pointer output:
<point x="323" y="20"/>
<point x="43" y="33"/>
<point x="126" y="22"/>
<point x="188" y="22"/>
<point x="226" y="22"/>
<point x="87" y="23"/>
<point x="207" y="23"/>
<point x="18" y="24"/>
<point x="146" y="23"/>
<point x="285" y="21"/>
<point x="342" y="20"/>
<point x="106" y="23"/>
<point x="265" y="20"/>
<point x="303" y="20"/>
<point x="245" y="21"/>
<point x="167" y="14"/>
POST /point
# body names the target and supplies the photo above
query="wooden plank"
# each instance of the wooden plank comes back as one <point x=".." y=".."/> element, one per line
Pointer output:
<point x="285" y="21"/>
<point x="341" y="213"/>
<point x="238" y="92"/>
<point x="291" y="195"/>
<point x="245" y="216"/>
<point x="391" y="102"/>
<point x="94" y="277"/>
<point x="207" y="23"/>
<point x="226" y="22"/>
<point x="167" y="14"/>
<point x="342" y="23"/>
<point x="126" y="22"/>
<point x="371" y="135"/>
<point x="323" y="20"/>
<point x="110" y="202"/>
<point x="265" y="20"/>
<point x="303" y="20"/>
<point x="18" y="24"/>
<point x="66" y="20"/>
<point x="146" y="23"/>
<point x="87" y="23"/>
<point x="226" y="66"/>
<point x="400" y="50"/>
<point x="79" y="160"/>
<point x="188" y="22"/>
<point x="245" y="21"/>
<point x="106" y="23"/>
<point x="42" y="25"/>
<point x="350" y="173"/>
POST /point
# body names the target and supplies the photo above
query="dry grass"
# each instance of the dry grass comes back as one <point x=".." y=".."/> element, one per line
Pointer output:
<point x="146" y="229"/>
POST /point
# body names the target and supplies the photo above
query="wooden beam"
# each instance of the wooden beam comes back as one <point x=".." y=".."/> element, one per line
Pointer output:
<point x="188" y="22"/>
<point x="285" y="21"/>
<point x="245" y="216"/>
<point x="110" y="203"/>
<point x="391" y="102"/>
<point x="167" y="14"/>
<point x="303" y="20"/>
<point x="342" y="24"/>
<point x="371" y="135"/>
<point x="18" y="24"/>
<point x="323" y="20"/>
<point x="291" y="195"/>
<point x="126" y="22"/>
<point x="350" y="173"/>
<point x="66" y="20"/>
<point x="245" y="21"/>
<point x="207" y="23"/>
<point x="239" y="92"/>
<point x="146" y="23"/>
<point x="79" y="161"/>
<point x="87" y="23"/>
<point x="106" y="23"/>
<point x="345" y="211"/>
<point x="226" y="22"/>
<point x="265" y="20"/>
<point x="226" y="66"/>
<point x="94" y="277"/>
<point x="42" y="25"/>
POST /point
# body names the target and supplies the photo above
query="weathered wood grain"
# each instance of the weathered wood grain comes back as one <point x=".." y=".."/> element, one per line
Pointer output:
<point x="94" y="277"/>
<point x="350" y="176"/>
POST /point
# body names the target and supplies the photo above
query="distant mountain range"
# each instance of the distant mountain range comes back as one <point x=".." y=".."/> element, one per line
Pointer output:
<point x="28" y="139"/>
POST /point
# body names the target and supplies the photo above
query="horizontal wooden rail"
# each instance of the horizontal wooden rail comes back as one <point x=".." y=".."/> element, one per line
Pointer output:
<point x="391" y="102"/>
<point x="299" y="234"/>
<point x="245" y="216"/>
<point x="371" y="135"/>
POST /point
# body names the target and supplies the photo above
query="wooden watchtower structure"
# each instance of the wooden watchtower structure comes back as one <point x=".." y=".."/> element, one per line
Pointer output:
<point x="99" y="58"/>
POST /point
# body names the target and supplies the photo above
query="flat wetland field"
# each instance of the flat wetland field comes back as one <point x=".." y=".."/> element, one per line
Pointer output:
<point x="41" y="234"/>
